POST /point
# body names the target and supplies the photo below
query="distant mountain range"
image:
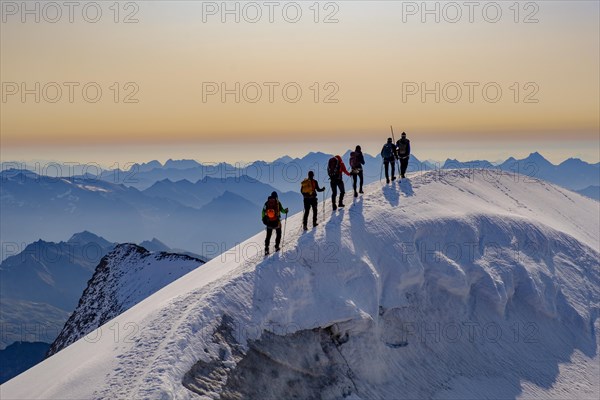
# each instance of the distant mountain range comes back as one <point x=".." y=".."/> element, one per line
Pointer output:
<point x="572" y="173"/>
<point x="202" y="192"/>
<point x="192" y="216"/>
<point x="286" y="173"/>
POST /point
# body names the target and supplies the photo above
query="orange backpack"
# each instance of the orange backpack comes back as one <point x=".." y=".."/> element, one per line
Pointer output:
<point x="272" y="212"/>
<point x="307" y="187"/>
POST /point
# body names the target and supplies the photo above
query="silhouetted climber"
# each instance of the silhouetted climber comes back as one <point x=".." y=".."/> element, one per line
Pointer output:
<point x="309" y="188"/>
<point x="403" y="153"/>
<point x="357" y="160"/>
<point x="388" y="153"/>
<point x="271" y="217"/>
<point x="335" y="167"/>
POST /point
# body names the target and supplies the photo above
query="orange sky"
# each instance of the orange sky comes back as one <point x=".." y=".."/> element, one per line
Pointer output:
<point x="370" y="63"/>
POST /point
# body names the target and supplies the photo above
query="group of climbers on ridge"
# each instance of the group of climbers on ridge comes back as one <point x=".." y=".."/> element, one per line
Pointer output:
<point x="392" y="152"/>
<point x="309" y="187"/>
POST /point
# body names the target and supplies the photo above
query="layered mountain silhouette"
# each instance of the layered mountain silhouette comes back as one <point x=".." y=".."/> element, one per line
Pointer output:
<point x="193" y="217"/>
<point x="285" y="173"/>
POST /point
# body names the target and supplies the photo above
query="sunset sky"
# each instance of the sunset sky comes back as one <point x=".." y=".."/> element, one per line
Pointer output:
<point x="372" y="63"/>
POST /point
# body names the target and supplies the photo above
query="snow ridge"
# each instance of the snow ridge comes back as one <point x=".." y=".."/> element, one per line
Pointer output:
<point x="452" y="284"/>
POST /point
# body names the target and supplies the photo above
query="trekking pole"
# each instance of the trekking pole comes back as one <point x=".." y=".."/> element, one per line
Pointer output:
<point x="325" y="199"/>
<point x="381" y="172"/>
<point x="283" y="236"/>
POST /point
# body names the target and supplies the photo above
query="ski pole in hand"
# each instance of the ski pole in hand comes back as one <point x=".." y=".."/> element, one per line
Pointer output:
<point x="325" y="193"/>
<point x="283" y="236"/>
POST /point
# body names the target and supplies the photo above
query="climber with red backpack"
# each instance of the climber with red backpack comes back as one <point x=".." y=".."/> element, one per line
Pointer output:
<point x="309" y="188"/>
<point x="271" y="217"/>
<point x="335" y="168"/>
<point x="357" y="160"/>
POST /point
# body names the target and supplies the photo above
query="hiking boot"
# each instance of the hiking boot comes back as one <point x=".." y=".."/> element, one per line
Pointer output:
<point x="305" y="227"/>
<point x="266" y="252"/>
<point x="315" y="224"/>
<point x="355" y="194"/>
<point x="360" y="191"/>
<point x="341" y="205"/>
<point x="277" y="248"/>
<point x="387" y="180"/>
<point x="334" y="207"/>
<point x="393" y="178"/>
<point x="403" y="177"/>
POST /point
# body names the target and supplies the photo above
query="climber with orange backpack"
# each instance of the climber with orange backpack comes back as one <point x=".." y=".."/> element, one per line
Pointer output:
<point x="335" y="168"/>
<point x="271" y="217"/>
<point x="309" y="188"/>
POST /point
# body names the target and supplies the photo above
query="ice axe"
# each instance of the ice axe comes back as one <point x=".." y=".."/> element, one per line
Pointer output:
<point x="396" y="159"/>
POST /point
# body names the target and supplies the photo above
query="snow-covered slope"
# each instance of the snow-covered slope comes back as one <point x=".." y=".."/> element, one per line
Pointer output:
<point x="449" y="285"/>
<point x="124" y="277"/>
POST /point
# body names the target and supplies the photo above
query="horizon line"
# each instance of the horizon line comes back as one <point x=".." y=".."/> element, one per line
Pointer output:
<point x="26" y="164"/>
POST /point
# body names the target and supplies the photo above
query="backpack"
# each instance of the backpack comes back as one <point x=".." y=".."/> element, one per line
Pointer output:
<point x="354" y="160"/>
<point x="388" y="150"/>
<point x="306" y="187"/>
<point x="333" y="168"/>
<point x="402" y="147"/>
<point x="272" y="213"/>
